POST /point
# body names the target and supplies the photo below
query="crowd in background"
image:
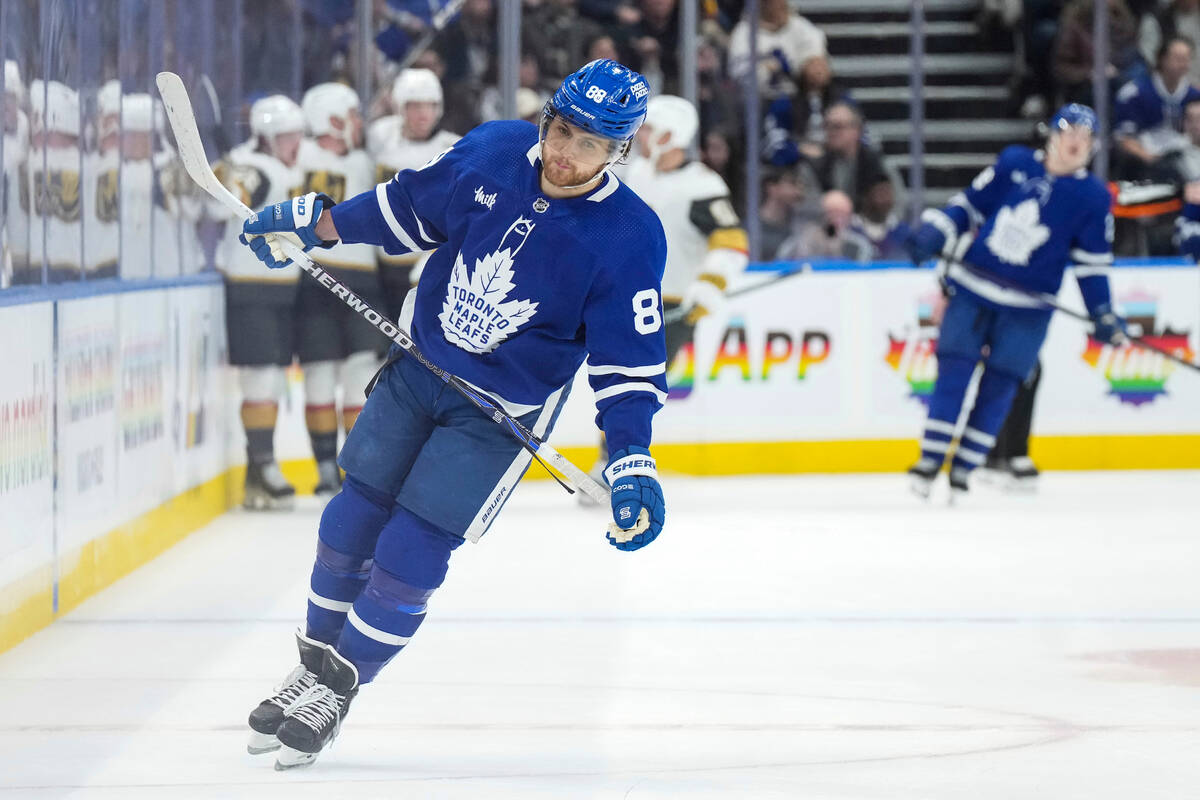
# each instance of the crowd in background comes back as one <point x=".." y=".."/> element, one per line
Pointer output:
<point x="826" y="190"/>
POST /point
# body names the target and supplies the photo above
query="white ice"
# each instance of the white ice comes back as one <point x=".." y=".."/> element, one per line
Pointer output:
<point x="792" y="637"/>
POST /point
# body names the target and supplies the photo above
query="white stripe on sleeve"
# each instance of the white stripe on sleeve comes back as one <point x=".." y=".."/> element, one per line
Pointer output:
<point x="632" y="372"/>
<point x="385" y="207"/>
<point x="622" y="388"/>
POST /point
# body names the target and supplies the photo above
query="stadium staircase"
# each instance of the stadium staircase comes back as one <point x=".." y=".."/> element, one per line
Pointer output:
<point x="968" y="114"/>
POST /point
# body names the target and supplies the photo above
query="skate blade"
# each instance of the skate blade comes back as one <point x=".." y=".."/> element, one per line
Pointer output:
<point x="263" y="503"/>
<point x="920" y="487"/>
<point x="290" y="758"/>
<point x="262" y="743"/>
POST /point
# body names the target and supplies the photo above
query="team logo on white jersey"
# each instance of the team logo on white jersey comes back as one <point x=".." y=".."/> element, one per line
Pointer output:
<point x="1017" y="233"/>
<point x="488" y="200"/>
<point x="476" y="315"/>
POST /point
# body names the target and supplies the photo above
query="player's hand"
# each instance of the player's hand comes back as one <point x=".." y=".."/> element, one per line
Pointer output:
<point x="925" y="243"/>
<point x="1107" y="326"/>
<point x="294" y="220"/>
<point x="637" y="499"/>
<point x="702" y="298"/>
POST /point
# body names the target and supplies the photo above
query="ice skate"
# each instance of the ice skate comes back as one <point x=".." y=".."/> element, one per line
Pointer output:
<point x="267" y="489"/>
<point x="1023" y="474"/>
<point x="921" y="476"/>
<point x="329" y="479"/>
<point x="265" y="720"/>
<point x="315" y="718"/>
<point x="958" y="485"/>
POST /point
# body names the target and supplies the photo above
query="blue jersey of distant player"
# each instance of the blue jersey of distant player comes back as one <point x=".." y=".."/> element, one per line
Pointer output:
<point x="523" y="286"/>
<point x="1029" y="228"/>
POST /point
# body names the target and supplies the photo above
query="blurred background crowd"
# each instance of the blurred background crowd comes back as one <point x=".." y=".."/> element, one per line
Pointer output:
<point x="807" y="107"/>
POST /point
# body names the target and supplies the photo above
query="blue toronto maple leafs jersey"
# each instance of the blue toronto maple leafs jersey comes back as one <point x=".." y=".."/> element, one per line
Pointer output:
<point x="1029" y="227"/>
<point x="523" y="286"/>
<point x="1145" y="105"/>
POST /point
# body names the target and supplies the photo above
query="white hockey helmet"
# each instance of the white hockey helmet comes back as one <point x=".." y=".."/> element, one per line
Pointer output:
<point x="55" y="107"/>
<point x="12" y="80"/>
<point x="325" y="101"/>
<point x="274" y="115"/>
<point x="666" y="113"/>
<point x="416" y="85"/>
<point x="138" y="113"/>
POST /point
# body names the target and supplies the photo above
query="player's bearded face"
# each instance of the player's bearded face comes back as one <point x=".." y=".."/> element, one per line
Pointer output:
<point x="571" y="156"/>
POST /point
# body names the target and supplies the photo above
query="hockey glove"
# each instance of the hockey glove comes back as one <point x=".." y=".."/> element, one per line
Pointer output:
<point x="702" y="298"/>
<point x="637" y="499"/>
<point x="295" y="220"/>
<point x="1107" y="326"/>
<point x="925" y="243"/>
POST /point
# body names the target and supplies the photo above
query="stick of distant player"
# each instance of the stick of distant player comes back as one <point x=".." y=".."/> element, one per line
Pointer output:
<point x="681" y="312"/>
<point x="1050" y="301"/>
<point x="191" y="153"/>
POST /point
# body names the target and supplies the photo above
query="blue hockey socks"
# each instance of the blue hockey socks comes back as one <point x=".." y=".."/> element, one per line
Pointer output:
<point x="411" y="560"/>
<point x="996" y="393"/>
<point x="350" y="526"/>
<point x="954" y="373"/>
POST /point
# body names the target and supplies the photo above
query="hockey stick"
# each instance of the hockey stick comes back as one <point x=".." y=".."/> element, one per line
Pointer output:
<point x="191" y="153"/>
<point x="680" y="312"/>
<point x="1050" y="301"/>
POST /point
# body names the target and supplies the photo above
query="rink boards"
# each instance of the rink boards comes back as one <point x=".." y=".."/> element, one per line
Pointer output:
<point x="112" y="440"/>
<point x="119" y="429"/>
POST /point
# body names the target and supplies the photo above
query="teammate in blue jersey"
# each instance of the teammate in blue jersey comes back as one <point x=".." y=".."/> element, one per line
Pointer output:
<point x="543" y="257"/>
<point x="1009" y="236"/>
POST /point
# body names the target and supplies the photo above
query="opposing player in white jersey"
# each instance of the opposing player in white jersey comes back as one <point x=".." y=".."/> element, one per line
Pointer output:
<point x="408" y="139"/>
<point x="335" y="345"/>
<point x="260" y="307"/>
<point x="706" y="244"/>
<point x="14" y="201"/>
<point x="545" y="258"/>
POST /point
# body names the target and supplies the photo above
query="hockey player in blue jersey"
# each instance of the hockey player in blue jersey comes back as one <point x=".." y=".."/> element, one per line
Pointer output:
<point x="543" y="257"/>
<point x="1009" y="236"/>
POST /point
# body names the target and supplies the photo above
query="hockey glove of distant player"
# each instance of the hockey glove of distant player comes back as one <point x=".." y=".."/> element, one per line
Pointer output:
<point x="294" y="219"/>
<point x="702" y="298"/>
<point x="1107" y="326"/>
<point x="637" y="499"/>
<point x="925" y="243"/>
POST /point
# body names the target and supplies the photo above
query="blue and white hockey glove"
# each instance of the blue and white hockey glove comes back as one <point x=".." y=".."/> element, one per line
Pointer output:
<point x="637" y="499"/>
<point x="925" y="243"/>
<point x="1107" y="326"/>
<point x="295" y="220"/>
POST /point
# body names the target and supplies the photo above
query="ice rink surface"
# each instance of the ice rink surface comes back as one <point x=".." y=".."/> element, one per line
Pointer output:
<point x="793" y="637"/>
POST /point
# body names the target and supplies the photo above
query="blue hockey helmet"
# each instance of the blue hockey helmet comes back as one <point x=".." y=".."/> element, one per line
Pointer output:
<point x="603" y="98"/>
<point x="1075" y="115"/>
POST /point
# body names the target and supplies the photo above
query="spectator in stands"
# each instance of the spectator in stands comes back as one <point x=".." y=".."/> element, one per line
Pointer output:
<point x="653" y="43"/>
<point x="529" y="76"/>
<point x="1176" y="18"/>
<point x="779" y="210"/>
<point x="601" y="45"/>
<point x="1187" y="160"/>
<point x="468" y="48"/>
<point x="785" y="42"/>
<point x="719" y="96"/>
<point x="1074" y="51"/>
<point x="831" y="236"/>
<point x="554" y="31"/>
<point x="876" y="221"/>
<point x="720" y="151"/>
<point x="848" y="163"/>
<point x="1039" y="28"/>
<point x="794" y="124"/>
<point x="1148" y="113"/>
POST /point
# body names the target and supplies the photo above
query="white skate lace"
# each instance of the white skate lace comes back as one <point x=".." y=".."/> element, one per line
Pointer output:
<point x="317" y="707"/>
<point x="293" y="686"/>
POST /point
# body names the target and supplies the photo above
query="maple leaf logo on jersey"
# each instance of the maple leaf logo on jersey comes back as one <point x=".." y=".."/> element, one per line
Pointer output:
<point x="476" y="315"/>
<point x="1017" y="233"/>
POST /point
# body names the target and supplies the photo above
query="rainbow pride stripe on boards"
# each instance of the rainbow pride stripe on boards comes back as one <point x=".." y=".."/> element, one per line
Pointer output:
<point x="1136" y="376"/>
